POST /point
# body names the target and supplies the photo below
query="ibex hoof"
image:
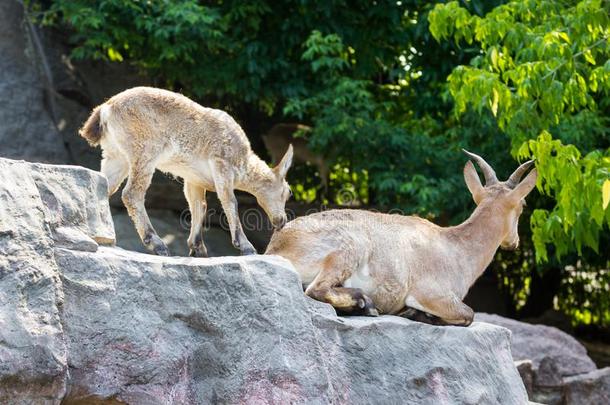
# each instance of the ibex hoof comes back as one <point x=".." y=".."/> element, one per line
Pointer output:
<point x="155" y="243"/>
<point x="161" y="250"/>
<point x="365" y="305"/>
<point x="371" y="312"/>
<point x="248" y="251"/>
<point x="198" y="250"/>
<point x="197" y="253"/>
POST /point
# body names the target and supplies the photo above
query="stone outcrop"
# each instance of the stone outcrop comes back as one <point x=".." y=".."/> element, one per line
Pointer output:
<point x="40" y="205"/>
<point x="82" y="321"/>
<point x="588" y="388"/>
<point x="554" y="366"/>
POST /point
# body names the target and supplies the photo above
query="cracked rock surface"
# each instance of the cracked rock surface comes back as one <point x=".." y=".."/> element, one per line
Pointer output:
<point x="82" y="321"/>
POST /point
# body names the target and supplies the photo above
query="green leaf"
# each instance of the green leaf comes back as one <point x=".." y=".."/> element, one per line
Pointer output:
<point x="494" y="102"/>
<point x="589" y="56"/>
<point x="494" y="58"/>
<point x="115" y="55"/>
<point x="606" y="194"/>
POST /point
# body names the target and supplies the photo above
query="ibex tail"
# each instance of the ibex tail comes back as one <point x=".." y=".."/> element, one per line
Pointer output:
<point x="92" y="128"/>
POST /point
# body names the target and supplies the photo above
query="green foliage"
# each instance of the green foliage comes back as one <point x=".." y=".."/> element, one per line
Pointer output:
<point x="390" y="106"/>
<point x="543" y="68"/>
<point x="575" y="182"/>
<point x="409" y="161"/>
<point x="155" y="34"/>
<point x="229" y="52"/>
<point x="585" y="294"/>
<point x="377" y="110"/>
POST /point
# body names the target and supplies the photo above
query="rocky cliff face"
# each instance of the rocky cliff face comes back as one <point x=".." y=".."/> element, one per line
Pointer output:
<point x="46" y="96"/>
<point x="82" y="321"/>
<point x="22" y="105"/>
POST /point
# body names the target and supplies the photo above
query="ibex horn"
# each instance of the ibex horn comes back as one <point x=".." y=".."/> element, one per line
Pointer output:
<point x="514" y="178"/>
<point x="488" y="172"/>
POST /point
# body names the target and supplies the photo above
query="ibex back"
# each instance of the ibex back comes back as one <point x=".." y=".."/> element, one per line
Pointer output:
<point x="142" y="129"/>
<point x="368" y="263"/>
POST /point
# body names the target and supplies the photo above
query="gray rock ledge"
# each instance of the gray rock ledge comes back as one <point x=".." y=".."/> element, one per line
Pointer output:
<point x="87" y="324"/>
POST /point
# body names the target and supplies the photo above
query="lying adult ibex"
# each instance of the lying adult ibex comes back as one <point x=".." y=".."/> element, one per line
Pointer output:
<point x="367" y="263"/>
<point x="143" y="128"/>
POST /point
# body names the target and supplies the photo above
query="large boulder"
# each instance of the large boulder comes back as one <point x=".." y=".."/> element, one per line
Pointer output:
<point x="588" y="388"/>
<point x="41" y="207"/>
<point x="554" y="354"/>
<point x="82" y="321"/>
<point x="554" y="366"/>
<point x="239" y="330"/>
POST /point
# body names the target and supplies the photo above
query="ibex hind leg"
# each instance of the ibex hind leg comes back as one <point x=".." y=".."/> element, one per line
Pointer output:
<point x="133" y="197"/>
<point x="421" y="316"/>
<point x="195" y="196"/>
<point x="338" y="267"/>
<point x="449" y="309"/>
<point x="115" y="169"/>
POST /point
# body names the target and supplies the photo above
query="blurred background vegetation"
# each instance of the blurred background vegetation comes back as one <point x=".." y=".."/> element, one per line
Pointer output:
<point x="392" y="90"/>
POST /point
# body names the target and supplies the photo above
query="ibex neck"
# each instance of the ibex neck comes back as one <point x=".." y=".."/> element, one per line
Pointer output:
<point x="256" y="174"/>
<point x="478" y="238"/>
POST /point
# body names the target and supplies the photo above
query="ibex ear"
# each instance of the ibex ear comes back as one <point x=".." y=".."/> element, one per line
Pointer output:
<point x="473" y="182"/>
<point x="284" y="165"/>
<point x="524" y="188"/>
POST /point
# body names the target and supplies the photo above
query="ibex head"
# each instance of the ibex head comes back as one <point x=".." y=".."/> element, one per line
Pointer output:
<point x="273" y="196"/>
<point x="505" y="199"/>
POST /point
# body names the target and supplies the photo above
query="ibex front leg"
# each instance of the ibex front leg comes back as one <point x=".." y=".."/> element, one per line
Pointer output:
<point x="133" y="198"/>
<point x="223" y="181"/>
<point x="195" y="196"/>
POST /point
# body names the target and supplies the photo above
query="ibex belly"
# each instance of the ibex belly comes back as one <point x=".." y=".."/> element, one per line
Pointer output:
<point x="199" y="172"/>
<point x="411" y="302"/>
<point x="361" y="278"/>
<point x="387" y="292"/>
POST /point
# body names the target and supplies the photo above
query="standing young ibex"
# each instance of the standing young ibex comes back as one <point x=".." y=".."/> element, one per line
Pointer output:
<point x="144" y="128"/>
<point x="370" y="263"/>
